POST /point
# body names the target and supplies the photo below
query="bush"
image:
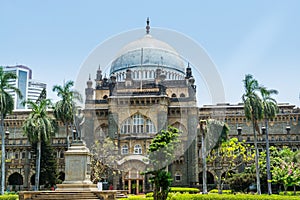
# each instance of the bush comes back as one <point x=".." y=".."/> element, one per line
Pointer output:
<point x="137" y="198"/>
<point x="150" y="194"/>
<point x="9" y="197"/>
<point x="215" y="191"/>
<point x="231" y="197"/>
<point x="241" y="182"/>
<point x="290" y="193"/>
<point x="184" y="190"/>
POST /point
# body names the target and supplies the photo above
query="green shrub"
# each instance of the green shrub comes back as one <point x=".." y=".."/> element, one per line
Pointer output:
<point x="9" y="197"/>
<point x="184" y="190"/>
<point x="137" y="198"/>
<point x="290" y="193"/>
<point x="231" y="197"/>
<point x="150" y="194"/>
<point x="215" y="191"/>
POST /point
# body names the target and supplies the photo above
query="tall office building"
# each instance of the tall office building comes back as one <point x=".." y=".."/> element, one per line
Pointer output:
<point x="30" y="88"/>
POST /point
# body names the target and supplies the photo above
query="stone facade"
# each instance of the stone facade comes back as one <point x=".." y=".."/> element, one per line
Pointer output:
<point x="284" y="129"/>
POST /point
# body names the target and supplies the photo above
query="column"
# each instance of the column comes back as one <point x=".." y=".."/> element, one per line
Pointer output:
<point x="129" y="186"/>
<point x="137" y="186"/>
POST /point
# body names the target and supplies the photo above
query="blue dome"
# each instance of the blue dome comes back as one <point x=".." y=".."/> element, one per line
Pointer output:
<point x="148" y="53"/>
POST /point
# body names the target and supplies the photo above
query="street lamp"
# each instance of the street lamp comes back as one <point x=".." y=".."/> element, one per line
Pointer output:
<point x="239" y="130"/>
<point x="3" y="140"/>
<point x="287" y="128"/>
<point x="203" y="151"/>
<point x="6" y="136"/>
<point x="265" y="132"/>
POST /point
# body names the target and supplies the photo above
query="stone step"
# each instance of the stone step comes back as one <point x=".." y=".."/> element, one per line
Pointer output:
<point x="65" y="196"/>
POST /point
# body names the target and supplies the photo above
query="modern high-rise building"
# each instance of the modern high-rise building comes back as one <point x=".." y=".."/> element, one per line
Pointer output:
<point x="30" y="88"/>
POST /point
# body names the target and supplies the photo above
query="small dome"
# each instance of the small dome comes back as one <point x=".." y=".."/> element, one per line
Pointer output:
<point x="151" y="52"/>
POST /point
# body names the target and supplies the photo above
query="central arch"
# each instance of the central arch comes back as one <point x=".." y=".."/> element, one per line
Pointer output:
<point x="15" y="181"/>
<point x="131" y="178"/>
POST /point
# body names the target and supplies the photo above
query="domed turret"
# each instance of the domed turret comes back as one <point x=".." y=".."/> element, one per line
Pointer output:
<point x="144" y="56"/>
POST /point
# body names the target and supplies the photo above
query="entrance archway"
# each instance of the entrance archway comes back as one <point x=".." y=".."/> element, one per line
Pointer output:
<point x="210" y="178"/>
<point x="132" y="180"/>
<point x="32" y="179"/>
<point x="15" y="181"/>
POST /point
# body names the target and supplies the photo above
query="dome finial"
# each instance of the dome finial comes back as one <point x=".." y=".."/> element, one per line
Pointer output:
<point x="148" y="26"/>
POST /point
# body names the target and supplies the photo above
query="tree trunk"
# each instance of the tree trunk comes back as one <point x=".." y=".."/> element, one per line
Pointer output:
<point x="256" y="159"/>
<point x="219" y="184"/>
<point x="67" y="133"/>
<point x="38" y="166"/>
<point x="268" y="158"/>
<point x="2" y="155"/>
<point x="285" y="189"/>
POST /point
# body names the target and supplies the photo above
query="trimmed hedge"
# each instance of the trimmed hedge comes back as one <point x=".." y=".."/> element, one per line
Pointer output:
<point x="9" y="197"/>
<point x="231" y="197"/>
<point x="184" y="190"/>
<point x="215" y="191"/>
<point x="178" y="196"/>
<point x="290" y="193"/>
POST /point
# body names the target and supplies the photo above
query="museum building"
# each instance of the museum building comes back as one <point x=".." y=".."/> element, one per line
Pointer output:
<point x="141" y="96"/>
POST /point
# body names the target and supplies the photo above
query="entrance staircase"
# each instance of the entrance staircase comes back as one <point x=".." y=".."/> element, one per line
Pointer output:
<point x="74" y="195"/>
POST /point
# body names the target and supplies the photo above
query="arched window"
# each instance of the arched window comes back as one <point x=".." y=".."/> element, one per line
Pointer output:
<point x="151" y="74"/>
<point x="137" y="149"/>
<point x="178" y="176"/>
<point x="124" y="149"/>
<point x="150" y="126"/>
<point x="137" y="124"/>
<point x="126" y="126"/>
<point x="102" y="131"/>
<point x="182" y="95"/>
<point x="173" y="95"/>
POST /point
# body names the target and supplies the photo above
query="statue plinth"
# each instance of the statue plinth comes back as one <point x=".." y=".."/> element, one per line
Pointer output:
<point x="77" y="169"/>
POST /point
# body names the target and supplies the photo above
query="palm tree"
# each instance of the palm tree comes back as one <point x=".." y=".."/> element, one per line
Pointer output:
<point x="6" y="107"/>
<point x="253" y="108"/>
<point x="64" y="109"/>
<point x="38" y="126"/>
<point x="270" y="109"/>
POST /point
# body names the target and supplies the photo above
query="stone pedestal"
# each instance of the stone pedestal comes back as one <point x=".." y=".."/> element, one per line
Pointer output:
<point x="77" y="169"/>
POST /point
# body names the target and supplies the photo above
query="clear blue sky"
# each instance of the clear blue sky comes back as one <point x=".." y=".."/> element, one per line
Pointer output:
<point x="258" y="37"/>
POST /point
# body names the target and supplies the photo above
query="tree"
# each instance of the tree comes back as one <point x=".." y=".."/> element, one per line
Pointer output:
<point x="253" y="109"/>
<point x="240" y="182"/>
<point x="161" y="153"/>
<point x="104" y="155"/>
<point x="227" y="158"/>
<point x="48" y="172"/>
<point x="213" y="133"/>
<point x="38" y="126"/>
<point x="64" y="110"/>
<point x="285" y="170"/>
<point x="6" y="107"/>
<point x="270" y="109"/>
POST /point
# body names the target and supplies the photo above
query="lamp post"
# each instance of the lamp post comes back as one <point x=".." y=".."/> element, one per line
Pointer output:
<point x="265" y="131"/>
<point x="203" y="152"/>
<point x="287" y="128"/>
<point x="239" y="130"/>
<point x="4" y="135"/>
